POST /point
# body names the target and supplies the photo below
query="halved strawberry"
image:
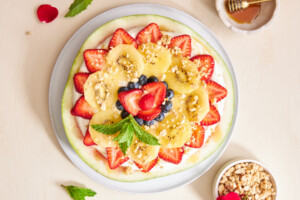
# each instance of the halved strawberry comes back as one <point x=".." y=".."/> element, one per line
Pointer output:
<point x="206" y="65"/>
<point x="88" y="141"/>
<point x="172" y="155"/>
<point x="79" y="80"/>
<point x="157" y="90"/>
<point x="147" y="102"/>
<point x="130" y="100"/>
<point x="150" y="33"/>
<point x="82" y="109"/>
<point x="197" y="138"/>
<point x="148" y="166"/>
<point x="215" y="91"/>
<point x="149" y="115"/>
<point x="212" y="117"/>
<point x="115" y="157"/>
<point x="95" y="59"/>
<point x="184" y="42"/>
<point x="121" y="37"/>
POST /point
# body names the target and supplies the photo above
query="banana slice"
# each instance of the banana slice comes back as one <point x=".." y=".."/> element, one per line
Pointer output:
<point x="174" y="131"/>
<point x="194" y="106"/>
<point x="157" y="59"/>
<point x="103" y="117"/>
<point x="141" y="152"/>
<point x="127" y="60"/>
<point x="100" y="90"/>
<point x="183" y="75"/>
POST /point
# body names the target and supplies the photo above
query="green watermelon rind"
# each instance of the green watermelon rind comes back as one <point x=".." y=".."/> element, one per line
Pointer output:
<point x="70" y="125"/>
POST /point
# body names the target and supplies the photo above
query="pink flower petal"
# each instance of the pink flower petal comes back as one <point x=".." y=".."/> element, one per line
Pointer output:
<point x="46" y="13"/>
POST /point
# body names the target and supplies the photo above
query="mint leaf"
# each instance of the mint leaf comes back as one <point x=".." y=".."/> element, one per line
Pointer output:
<point x="77" y="193"/>
<point x="77" y="7"/>
<point x="124" y="146"/>
<point x="143" y="135"/>
<point x="127" y="128"/>
<point x="109" y="129"/>
<point x="125" y="136"/>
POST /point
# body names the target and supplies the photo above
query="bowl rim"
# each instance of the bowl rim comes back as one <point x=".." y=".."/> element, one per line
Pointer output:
<point x="238" y="30"/>
<point x="232" y="163"/>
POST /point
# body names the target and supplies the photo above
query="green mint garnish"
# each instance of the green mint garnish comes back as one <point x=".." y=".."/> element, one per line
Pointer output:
<point x="127" y="128"/>
<point x="77" y="193"/>
<point x="77" y="7"/>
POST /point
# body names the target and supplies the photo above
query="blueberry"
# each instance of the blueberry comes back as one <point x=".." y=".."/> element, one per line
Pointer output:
<point x="166" y="84"/>
<point x="139" y="120"/>
<point x="148" y="123"/>
<point x="119" y="105"/>
<point x="160" y="117"/>
<point x="122" y="89"/>
<point x="132" y="85"/>
<point x="142" y="80"/>
<point x="167" y="107"/>
<point x="170" y="93"/>
<point x="124" y="114"/>
<point x="152" y="79"/>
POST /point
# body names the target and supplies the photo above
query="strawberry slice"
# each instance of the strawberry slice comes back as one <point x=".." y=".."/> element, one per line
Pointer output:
<point x="95" y="59"/>
<point x="206" y="65"/>
<point x="197" y="138"/>
<point x="121" y="37"/>
<point x="212" y="117"/>
<point x="88" y="141"/>
<point x="184" y="42"/>
<point x="82" y="109"/>
<point x="115" y="157"/>
<point x="79" y="80"/>
<point x="215" y="91"/>
<point x="157" y="90"/>
<point x="172" y="155"/>
<point x="130" y="100"/>
<point x="147" y="102"/>
<point x="148" y="166"/>
<point x="150" y="33"/>
<point x="149" y="115"/>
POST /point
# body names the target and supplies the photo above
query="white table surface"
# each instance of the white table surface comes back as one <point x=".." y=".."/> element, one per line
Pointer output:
<point x="33" y="165"/>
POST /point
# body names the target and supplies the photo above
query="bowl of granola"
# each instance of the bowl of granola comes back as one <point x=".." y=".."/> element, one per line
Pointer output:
<point x="249" y="179"/>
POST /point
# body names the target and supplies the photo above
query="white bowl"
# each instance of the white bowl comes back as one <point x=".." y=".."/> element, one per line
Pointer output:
<point x="269" y="10"/>
<point x="232" y="163"/>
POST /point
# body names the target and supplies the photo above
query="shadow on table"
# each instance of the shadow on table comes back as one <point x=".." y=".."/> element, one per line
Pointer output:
<point x="204" y="185"/>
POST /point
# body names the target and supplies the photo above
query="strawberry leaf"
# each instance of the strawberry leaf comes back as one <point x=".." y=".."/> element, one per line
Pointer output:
<point x="77" y="193"/>
<point x="77" y="7"/>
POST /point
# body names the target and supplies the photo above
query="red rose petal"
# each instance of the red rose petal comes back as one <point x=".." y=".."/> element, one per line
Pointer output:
<point x="46" y="13"/>
<point x="229" y="196"/>
<point x="232" y="196"/>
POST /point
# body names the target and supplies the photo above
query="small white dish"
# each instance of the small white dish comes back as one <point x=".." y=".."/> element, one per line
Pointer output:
<point x="232" y="163"/>
<point x="269" y="10"/>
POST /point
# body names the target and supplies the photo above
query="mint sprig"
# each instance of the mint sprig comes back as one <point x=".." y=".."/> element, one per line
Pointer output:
<point x="127" y="128"/>
<point x="77" y="7"/>
<point x="77" y="193"/>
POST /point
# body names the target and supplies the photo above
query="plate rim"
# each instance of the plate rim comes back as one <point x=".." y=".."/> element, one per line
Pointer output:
<point x="66" y="146"/>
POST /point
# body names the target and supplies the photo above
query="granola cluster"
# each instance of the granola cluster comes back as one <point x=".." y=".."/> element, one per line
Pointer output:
<point x="249" y="180"/>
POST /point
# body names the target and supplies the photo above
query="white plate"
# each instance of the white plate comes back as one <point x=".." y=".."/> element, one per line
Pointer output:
<point x="60" y="75"/>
